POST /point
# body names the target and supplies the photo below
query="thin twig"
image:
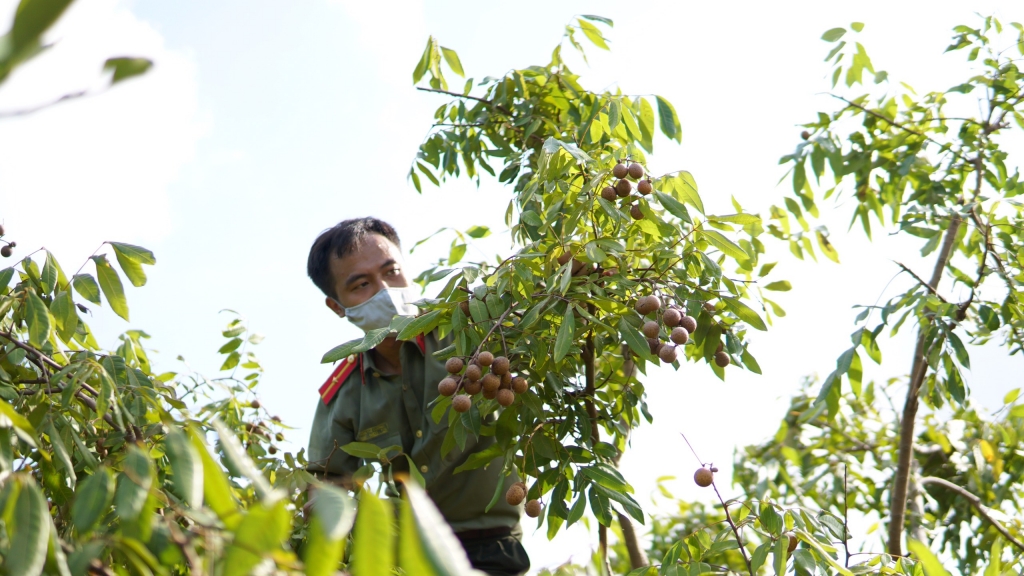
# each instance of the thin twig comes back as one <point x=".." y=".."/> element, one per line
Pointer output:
<point x="976" y="502"/>
<point x="921" y="281"/>
<point x="732" y="524"/>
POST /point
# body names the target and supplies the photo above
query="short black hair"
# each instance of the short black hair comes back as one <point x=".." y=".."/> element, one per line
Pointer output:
<point x="339" y="241"/>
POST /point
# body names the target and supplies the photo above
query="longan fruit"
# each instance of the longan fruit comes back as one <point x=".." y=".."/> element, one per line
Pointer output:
<point x="654" y="344"/>
<point x="635" y="212"/>
<point x="679" y="335"/>
<point x="500" y="366"/>
<point x="709" y="306"/>
<point x="6" y="251"/>
<point x="506" y="381"/>
<point x="608" y="193"/>
<point x="690" y="323"/>
<point x="651" y="329"/>
<point x="671" y="317"/>
<point x="490" y="394"/>
<point x="447" y="387"/>
<point x="636" y="171"/>
<point x="464" y="306"/>
<point x="272" y="450"/>
<point x="793" y="541"/>
<point x="2" y="231"/>
<point x="644" y="187"/>
<point x="667" y="354"/>
<point x="520" y="385"/>
<point x="255" y="404"/>
<point x="564" y="257"/>
<point x="623" y="188"/>
<point x="620" y="170"/>
<point x="491" y="382"/>
<point x="533" y="508"/>
<point x="506" y="397"/>
<point x="472" y="387"/>
<point x="462" y="403"/>
<point x="703" y="477"/>
<point x="454" y="365"/>
<point x="805" y="135"/>
<point x="485" y="358"/>
<point x="473" y="372"/>
<point x="648" y="304"/>
<point x="515" y="495"/>
<point x="720" y="347"/>
<point x="722" y="359"/>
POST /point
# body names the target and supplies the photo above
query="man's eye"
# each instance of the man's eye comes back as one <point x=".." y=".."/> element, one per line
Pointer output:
<point x="394" y="272"/>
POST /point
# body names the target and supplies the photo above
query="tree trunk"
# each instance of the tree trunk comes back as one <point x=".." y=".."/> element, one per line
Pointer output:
<point x="918" y="370"/>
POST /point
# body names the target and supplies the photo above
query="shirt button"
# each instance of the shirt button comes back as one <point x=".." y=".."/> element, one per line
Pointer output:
<point x="419" y="433"/>
<point x="376" y="374"/>
<point x="424" y="468"/>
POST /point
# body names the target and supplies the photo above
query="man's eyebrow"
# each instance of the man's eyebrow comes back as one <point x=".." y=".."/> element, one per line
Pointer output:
<point x="354" y="277"/>
<point x="389" y="263"/>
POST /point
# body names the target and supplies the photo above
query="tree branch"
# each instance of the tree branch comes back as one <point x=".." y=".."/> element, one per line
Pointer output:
<point x="467" y="97"/>
<point x="735" y="530"/>
<point x="921" y="281"/>
<point x="976" y="502"/>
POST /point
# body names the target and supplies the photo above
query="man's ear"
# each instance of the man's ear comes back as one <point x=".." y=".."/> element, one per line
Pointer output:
<point x="335" y="307"/>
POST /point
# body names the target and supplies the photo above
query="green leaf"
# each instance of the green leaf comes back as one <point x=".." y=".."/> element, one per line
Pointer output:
<point x="22" y="426"/>
<point x="439" y="542"/>
<point x="110" y="283"/>
<point x="565" y="334"/>
<point x="826" y="247"/>
<point x="126" y="67"/>
<point x="412" y="558"/>
<point x="87" y="287"/>
<point x="730" y="248"/>
<point x="741" y="219"/>
<point x="857" y="26"/>
<point x="634" y="339"/>
<point x="333" y="515"/>
<point x="592" y="33"/>
<point x="628" y="504"/>
<point x="673" y="206"/>
<point x="131" y="258"/>
<point x="668" y="120"/>
<point x="186" y="467"/>
<point x="744" y="313"/>
<point x="5" y="278"/>
<point x="370" y="340"/>
<point x="62" y="453"/>
<point x="133" y="485"/>
<point x="260" y="534"/>
<point x="961" y="351"/>
<point x="779" y="286"/>
<point x="50" y="274"/>
<point x="37" y="317"/>
<point x="688" y="189"/>
<point x="64" y="315"/>
<point x="833" y="34"/>
<point x="478" y="232"/>
<point x="92" y="499"/>
<point x="216" y="490"/>
<point x="606" y="476"/>
<point x="373" y="552"/>
<point x="363" y="450"/>
<point x="646" y="124"/>
<point x="32" y="18"/>
<point x="453" y="61"/>
<point x="421" y="66"/>
<point x="240" y="461"/>
<point x="30" y="533"/>
<point x="421" y="324"/>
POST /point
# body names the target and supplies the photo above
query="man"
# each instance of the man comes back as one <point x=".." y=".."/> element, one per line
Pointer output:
<point x="382" y="396"/>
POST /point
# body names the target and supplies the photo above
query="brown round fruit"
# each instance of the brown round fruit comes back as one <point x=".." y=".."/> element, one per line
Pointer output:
<point x="805" y="135"/>
<point x="454" y="365"/>
<point x="635" y="212"/>
<point x="703" y="477"/>
<point x="564" y="257"/>
<point x="491" y="382"/>
<point x="654" y="343"/>
<point x="636" y="171"/>
<point x="533" y="508"/>
<point x="722" y="359"/>
<point x="651" y="329"/>
<point x="506" y="397"/>
<point x="644" y="187"/>
<point x="279" y="437"/>
<point x="464" y="306"/>
<point x="255" y="404"/>
<point x="690" y="323"/>
<point x="500" y="366"/>
<point x="472" y="387"/>
<point x="6" y="251"/>
<point x="720" y="347"/>
<point x="679" y="335"/>
<point x="608" y="193"/>
<point x="485" y="358"/>
<point x="506" y="381"/>
<point x="515" y="495"/>
<point x="490" y="394"/>
<point x="473" y="372"/>
<point x="623" y="188"/>
<point x="667" y="354"/>
<point x="447" y="387"/>
<point x="2" y="231"/>
<point x="272" y="450"/>
<point x="709" y="306"/>
<point x="620" y="170"/>
<point x="793" y="541"/>
<point x="462" y="403"/>
<point x="671" y="317"/>
<point x="648" y="304"/>
<point x="520" y="385"/>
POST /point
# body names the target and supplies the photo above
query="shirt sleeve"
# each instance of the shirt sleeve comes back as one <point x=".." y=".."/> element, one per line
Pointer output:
<point x="326" y="437"/>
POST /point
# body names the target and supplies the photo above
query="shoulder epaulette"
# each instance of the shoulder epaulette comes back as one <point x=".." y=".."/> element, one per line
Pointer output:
<point x="333" y="384"/>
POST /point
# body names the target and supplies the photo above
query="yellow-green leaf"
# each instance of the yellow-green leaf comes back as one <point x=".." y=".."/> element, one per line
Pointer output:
<point x="37" y="317"/>
<point x="111" y="285"/>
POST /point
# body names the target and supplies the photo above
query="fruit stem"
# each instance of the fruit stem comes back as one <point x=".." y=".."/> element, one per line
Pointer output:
<point x="735" y="530"/>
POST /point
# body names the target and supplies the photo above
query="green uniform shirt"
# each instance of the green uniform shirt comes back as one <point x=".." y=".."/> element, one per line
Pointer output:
<point x="393" y="410"/>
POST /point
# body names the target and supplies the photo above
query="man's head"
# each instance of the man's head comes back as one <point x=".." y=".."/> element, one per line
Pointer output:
<point x="355" y="260"/>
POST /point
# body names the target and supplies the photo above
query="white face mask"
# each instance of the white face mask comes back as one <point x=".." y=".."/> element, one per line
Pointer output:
<point x="378" y="311"/>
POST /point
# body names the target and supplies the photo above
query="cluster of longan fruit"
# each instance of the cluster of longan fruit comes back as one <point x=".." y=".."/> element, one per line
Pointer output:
<point x="517" y="493"/>
<point x="8" y="249"/>
<point x="623" y="187"/>
<point x="496" y="384"/>
<point x="679" y="327"/>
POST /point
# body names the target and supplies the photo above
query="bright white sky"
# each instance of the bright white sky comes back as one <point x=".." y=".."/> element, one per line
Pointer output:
<point x="263" y="123"/>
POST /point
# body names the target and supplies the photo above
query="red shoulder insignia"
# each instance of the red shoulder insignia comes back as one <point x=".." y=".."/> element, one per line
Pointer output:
<point x="333" y="384"/>
<point x="421" y="342"/>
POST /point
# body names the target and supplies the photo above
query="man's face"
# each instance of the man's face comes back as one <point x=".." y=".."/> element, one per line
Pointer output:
<point x="374" y="264"/>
